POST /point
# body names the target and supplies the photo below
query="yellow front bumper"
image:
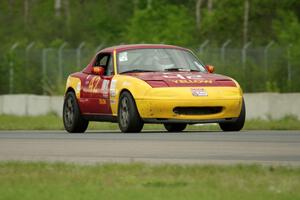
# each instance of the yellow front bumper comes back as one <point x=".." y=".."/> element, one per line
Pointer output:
<point x="160" y="103"/>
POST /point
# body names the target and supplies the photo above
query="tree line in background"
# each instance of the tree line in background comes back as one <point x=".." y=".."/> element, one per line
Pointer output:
<point x="181" y="22"/>
<point x="190" y="23"/>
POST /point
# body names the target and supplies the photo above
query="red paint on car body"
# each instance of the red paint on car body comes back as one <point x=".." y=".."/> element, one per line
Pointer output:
<point x="185" y="79"/>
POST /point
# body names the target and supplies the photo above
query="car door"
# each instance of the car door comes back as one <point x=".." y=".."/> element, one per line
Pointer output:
<point x="96" y="87"/>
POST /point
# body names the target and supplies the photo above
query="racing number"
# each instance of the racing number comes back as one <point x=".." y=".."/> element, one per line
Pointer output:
<point x="92" y="87"/>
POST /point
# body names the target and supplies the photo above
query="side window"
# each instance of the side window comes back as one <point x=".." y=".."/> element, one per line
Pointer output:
<point x="110" y="67"/>
<point x="105" y="60"/>
<point x="101" y="60"/>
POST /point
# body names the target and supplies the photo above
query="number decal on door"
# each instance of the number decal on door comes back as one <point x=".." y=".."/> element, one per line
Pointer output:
<point x="93" y="84"/>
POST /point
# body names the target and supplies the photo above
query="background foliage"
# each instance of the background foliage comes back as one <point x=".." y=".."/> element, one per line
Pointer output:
<point x="50" y="23"/>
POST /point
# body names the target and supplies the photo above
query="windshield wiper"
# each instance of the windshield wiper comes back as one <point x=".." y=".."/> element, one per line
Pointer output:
<point x="174" y="69"/>
<point x="136" y="70"/>
<point x="180" y="69"/>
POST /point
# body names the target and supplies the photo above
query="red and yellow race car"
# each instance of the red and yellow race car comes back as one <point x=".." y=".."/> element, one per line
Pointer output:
<point x="137" y="84"/>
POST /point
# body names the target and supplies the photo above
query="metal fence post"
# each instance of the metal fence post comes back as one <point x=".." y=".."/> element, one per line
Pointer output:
<point x="78" y="54"/>
<point x="11" y="68"/>
<point x="28" y="47"/>
<point x="225" y="44"/>
<point x="244" y="54"/>
<point x="44" y="69"/>
<point x="60" y="60"/>
<point x="98" y="48"/>
<point x="203" y="45"/>
<point x="266" y="50"/>
<point x="26" y="73"/>
<point x="289" y="66"/>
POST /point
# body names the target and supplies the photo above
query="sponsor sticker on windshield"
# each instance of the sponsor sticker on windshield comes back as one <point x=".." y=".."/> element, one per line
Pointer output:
<point x="123" y="56"/>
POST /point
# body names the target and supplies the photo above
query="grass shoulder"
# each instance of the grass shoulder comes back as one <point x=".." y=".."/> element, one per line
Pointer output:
<point x="40" y="180"/>
<point x="54" y="122"/>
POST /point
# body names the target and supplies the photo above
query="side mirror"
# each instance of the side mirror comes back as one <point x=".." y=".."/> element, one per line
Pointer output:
<point x="98" y="71"/>
<point x="210" y="68"/>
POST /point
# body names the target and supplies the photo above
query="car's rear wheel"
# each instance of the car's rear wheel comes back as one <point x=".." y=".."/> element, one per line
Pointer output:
<point x="236" y="125"/>
<point x="73" y="121"/>
<point x="128" y="116"/>
<point x="175" y="127"/>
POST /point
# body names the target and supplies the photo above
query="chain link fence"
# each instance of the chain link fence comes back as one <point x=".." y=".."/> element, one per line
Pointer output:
<point x="44" y="71"/>
<point x="257" y="69"/>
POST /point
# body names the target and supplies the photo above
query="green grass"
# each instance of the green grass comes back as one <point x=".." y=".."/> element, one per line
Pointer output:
<point x="19" y="180"/>
<point x="53" y="122"/>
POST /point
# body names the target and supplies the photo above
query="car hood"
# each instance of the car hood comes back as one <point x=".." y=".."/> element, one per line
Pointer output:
<point x="184" y="79"/>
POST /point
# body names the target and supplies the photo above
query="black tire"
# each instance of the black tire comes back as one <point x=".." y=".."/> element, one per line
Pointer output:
<point x="128" y="116"/>
<point x="238" y="124"/>
<point x="175" y="127"/>
<point x="73" y="120"/>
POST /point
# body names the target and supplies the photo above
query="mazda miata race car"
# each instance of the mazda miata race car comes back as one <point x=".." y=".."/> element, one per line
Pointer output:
<point x="137" y="84"/>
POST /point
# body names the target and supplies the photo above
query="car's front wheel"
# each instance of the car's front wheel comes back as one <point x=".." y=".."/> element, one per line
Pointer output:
<point x="175" y="127"/>
<point x="236" y="125"/>
<point x="73" y="121"/>
<point x="128" y="116"/>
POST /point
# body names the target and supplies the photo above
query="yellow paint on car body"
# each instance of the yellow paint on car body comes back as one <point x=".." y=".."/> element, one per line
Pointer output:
<point x="75" y="84"/>
<point x="160" y="102"/>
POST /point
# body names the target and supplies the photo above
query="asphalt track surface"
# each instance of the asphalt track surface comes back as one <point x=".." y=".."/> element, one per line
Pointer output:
<point x="262" y="147"/>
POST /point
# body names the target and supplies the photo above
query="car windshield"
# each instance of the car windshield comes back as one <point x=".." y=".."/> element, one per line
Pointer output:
<point x="149" y="60"/>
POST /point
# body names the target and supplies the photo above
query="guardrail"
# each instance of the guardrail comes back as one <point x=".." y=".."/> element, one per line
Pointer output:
<point x="258" y="105"/>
